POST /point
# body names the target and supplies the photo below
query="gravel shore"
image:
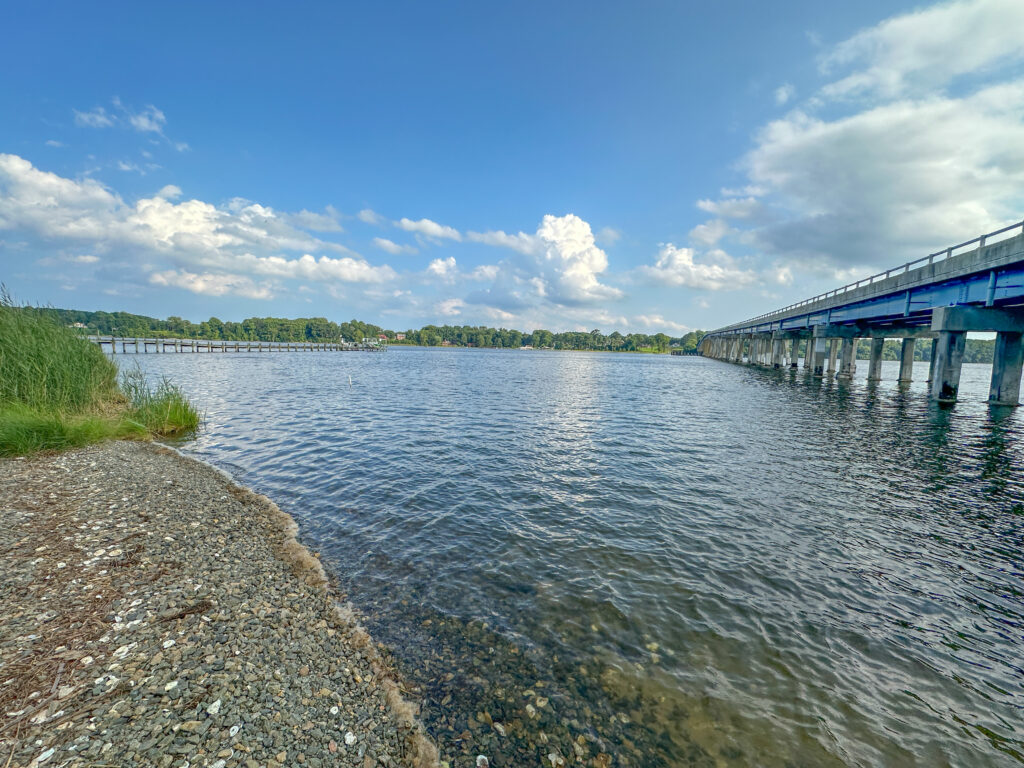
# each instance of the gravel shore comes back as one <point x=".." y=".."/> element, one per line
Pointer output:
<point x="152" y="612"/>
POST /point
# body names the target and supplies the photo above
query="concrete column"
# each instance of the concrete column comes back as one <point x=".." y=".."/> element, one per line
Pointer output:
<point x="794" y="355"/>
<point x="833" y="347"/>
<point x="950" y="357"/>
<point x="931" y="363"/>
<point x="907" y="361"/>
<point x="821" y="346"/>
<point x="848" y="359"/>
<point x="809" y="356"/>
<point x="1006" y="369"/>
<point x="875" y="361"/>
<point x="777" y="351"/>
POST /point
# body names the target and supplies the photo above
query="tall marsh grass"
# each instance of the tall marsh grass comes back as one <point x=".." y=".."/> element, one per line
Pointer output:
<point x="163" y="410"/>
<point x="58" y="390"/>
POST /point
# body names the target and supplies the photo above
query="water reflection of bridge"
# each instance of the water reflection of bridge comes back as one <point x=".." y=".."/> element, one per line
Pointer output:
<point x="977" y="285"/>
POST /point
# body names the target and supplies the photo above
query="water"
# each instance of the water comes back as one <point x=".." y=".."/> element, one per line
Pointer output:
<point x="672" y="561"/>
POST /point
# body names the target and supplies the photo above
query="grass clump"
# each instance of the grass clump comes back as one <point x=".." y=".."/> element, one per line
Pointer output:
<point x="58" y="390"/>
<point x="163" y="410"/>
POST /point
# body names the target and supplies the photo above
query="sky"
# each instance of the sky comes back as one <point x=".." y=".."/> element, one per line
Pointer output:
<point x="644" y="167"/>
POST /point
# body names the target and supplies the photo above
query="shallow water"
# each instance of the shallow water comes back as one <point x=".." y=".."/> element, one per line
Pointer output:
<point x="672" y="561"/>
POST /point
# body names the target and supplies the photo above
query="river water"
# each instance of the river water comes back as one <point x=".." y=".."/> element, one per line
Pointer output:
<point x="644" y="560"/>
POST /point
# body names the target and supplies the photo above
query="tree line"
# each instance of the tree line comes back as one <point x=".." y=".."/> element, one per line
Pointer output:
<point x="318" y="329"/>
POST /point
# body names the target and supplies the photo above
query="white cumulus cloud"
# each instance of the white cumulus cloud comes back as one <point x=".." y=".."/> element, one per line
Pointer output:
<point x="429" y="229"/>
<point x="392" y="247"/>
<point x="201" y="242"/>
<point x="449" y="307"/>
<point x="715" y="272"/>
<point x="211" y="284"/>
<point x="521" y="241"/>
<point x="575" y="259"/>
<point x="368" y="216"/>
<point x="443" y="269"/>
<point x="926" y="48"/>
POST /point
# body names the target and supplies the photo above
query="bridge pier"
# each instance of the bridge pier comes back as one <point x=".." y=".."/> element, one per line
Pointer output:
<point x="907" y="360"/>
<point x="953" y="323"/>
<point x="778" y="342"/>
<point x="809" y="356"/>
<point x="821" y="347"/>
<point x="848" y="359"/>
<point x="875" y="361"/>
<point x="833" y="347"/>
<point x="1006" y="369"/>
<point x="948" y="362"/>
<point x="794" y="353"/>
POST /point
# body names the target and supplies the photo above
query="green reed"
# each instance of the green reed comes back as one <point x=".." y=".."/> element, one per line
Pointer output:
<point x="58" y="390"/>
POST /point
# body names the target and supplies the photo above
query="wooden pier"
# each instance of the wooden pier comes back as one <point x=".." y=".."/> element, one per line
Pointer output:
<point x="202" y="345"/>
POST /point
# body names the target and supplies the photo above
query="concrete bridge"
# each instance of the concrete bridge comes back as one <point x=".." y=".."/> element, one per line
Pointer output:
<point x="977" y="285"/>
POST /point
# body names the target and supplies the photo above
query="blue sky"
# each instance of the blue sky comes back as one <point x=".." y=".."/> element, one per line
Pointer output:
<point x="644" y="167"/>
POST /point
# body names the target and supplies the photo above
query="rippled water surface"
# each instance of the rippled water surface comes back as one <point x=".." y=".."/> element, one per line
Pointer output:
<point x="640" y="560"/>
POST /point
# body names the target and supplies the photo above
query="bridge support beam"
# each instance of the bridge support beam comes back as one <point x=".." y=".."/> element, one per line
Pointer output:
<point x="778" y="344"/>
<point x="809" y="356"/>
<point x="848" y="360"/>
<point x="931" y="361"/>
<point x="949" y="359"/>
<point x="794" y="353"/>
<point x="821" y="346"/>
<point x="1006" y="369"/>
<point x="833" y="347"/>
<point x="907" y="361"/>
<point x="953" y="323"/>
<point x="875" y="361"/>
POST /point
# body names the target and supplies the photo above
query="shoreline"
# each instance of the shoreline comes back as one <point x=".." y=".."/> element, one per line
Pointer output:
<point x="156" y="612"/>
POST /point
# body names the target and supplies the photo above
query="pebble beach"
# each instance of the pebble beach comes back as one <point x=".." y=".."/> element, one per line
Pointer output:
<point x="154" y="613"/>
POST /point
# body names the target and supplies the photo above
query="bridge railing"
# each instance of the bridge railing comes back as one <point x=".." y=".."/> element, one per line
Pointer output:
<point x="931" y="258"/>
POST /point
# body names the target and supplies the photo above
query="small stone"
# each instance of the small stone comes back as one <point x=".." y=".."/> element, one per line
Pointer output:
<point x="332" y="746"/>
<point x="214" y="708"/>
<point x="350" y="738"/>
<point x="499" y="728"/>
<point x="482" y="761"/>
<point x="233" y="731"/>
<point x="281" y="757"/>
<point x="303" y="671"/>
<point x="168" y="643"/>
<point x="45" y="756"/>
<point x="171" y="686"/>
